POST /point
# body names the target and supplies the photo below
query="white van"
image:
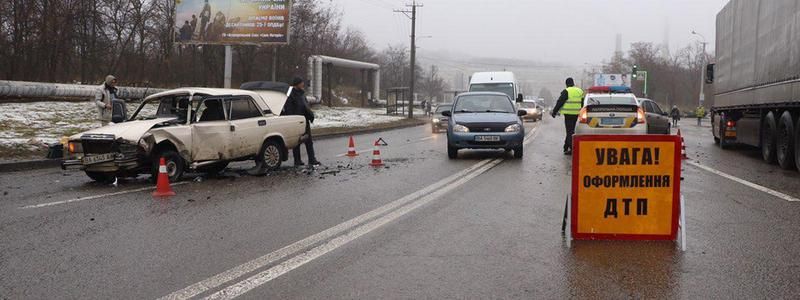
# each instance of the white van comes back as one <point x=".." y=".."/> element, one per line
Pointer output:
<point x="503" y="82"/>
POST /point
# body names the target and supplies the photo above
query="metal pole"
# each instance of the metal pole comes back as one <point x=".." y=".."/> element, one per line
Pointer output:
<point x="413" y="57"/>
<point x="275" y="62"/>
<point x="702" y="79"/>
<point x="228" y="65"/>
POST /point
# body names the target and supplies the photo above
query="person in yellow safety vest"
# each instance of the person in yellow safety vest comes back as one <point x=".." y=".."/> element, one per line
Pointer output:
<point x="569" y="104"/>
<point x="700" y="113"/>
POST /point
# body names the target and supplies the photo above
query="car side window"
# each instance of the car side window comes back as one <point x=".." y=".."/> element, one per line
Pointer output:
<point x="242" y="108"/>
<point x="656" y="108"/>
<point x="211" y="110"/>
<point x="647" y="107"/>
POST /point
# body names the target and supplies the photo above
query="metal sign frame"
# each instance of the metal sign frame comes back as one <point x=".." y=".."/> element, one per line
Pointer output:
<point x="676" y="192"/>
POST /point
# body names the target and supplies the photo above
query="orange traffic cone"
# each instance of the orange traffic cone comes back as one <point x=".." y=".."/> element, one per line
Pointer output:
<point x="376" y="156"/>
<point x="683" y="146"/>
<point x="351" y="148"/>
<point x="162" y="185"/>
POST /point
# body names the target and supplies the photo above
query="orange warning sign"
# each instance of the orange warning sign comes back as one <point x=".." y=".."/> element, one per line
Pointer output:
<point x="626" y="187"/>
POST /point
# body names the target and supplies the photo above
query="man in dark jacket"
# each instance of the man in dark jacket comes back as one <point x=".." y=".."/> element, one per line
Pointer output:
<point x="297" y="105"/>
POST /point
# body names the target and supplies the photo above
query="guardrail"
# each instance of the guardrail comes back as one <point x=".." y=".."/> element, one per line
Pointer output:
<point x="25" y="89"/>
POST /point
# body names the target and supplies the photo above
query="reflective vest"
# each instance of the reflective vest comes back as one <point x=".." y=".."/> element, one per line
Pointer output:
<point x="574" y="101"/>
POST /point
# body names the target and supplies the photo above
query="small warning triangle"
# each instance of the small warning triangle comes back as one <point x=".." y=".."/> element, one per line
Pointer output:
<point x="381" y="142"/>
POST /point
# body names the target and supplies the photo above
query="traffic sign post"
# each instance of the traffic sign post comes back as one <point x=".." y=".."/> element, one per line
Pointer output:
<point x="626" y="187"/>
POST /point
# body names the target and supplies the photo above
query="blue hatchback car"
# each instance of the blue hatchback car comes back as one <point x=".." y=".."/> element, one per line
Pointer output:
<point x="484" y="120"/>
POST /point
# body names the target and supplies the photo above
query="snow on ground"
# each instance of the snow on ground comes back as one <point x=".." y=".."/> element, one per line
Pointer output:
<point x="350" y="117"/>
<point x="33" y="123"/>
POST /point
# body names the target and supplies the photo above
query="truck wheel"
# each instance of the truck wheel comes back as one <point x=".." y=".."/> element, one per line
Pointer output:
<point x="174" y="163"/>
<point x="102" y="177"/>
<point x="270" y="155"/>
<point x="769" y="131"/>
<point x="797" y="149"/>
<point x="785" y="141"/>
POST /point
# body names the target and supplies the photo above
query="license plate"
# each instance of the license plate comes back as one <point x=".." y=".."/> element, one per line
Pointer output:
<point x="95" y="159"/>
<point x="487" y="138"/>
<point x="612" y="121"/>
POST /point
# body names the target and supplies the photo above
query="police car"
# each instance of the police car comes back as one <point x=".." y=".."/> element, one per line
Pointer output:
<point x="611" y="110"/>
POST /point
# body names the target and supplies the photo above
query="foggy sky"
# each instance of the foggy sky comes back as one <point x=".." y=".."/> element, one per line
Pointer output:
<point x="565" y="31"/>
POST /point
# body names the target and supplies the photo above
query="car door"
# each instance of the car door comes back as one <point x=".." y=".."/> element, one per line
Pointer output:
<point x="663" y="120"/>
<point x="247" y="125"/>
<point x="210" y="132"/>
<point x="652" y="120"/>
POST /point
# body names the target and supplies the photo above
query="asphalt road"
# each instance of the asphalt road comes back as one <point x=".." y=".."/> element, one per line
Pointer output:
<point x="483" y="226"/>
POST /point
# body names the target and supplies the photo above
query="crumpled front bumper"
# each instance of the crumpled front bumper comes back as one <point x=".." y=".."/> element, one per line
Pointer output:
<point x="121" y="162"/>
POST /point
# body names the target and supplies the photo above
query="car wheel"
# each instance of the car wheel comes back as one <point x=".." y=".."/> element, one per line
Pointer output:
<point x="270" y="155"/>
<point x="452" y="152"/>
<point x="768" y="133"/>
<point x="518" y="152"/>
<point x="174" y="163"/>
<point x="214" y="168"/>
<point x="102" y="177"/>
<point x="785" y="142"/>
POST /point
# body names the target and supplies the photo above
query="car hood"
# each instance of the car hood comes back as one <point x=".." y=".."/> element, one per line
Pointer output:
<point x="467" y="118"/>
<point x="131" y="130"/>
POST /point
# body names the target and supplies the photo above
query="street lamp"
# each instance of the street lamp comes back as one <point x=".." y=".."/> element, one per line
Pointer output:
<point x="703" y="63"/>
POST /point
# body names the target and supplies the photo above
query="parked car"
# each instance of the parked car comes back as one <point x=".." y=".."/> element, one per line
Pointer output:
<point x="191" y="128"/>
<point x="658" y="121"/>
<point x="438" y="121"/>
<point x="611" y="110"/>
<point x="533" y="110"/>
<point x="484" y="120"/>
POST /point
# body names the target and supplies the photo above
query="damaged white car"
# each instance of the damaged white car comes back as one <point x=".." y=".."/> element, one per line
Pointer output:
<point x="201" y="129"/>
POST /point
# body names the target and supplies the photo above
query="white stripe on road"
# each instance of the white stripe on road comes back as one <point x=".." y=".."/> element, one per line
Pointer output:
<point x="263" y="261"/>
<point x="263" y="277"/>
<point x="250" y="266"/>
<point x="745" y="182"/>
<point x="95" y="196"/>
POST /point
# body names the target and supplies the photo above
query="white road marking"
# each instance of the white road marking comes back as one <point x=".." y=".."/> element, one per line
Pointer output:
<point x="747" y="183"/>
<point x="96" y="196"/>
<point x="427" y="138"/>
<point x="250" y="266"/>
<point x="263" y="277"/>
<point x="425" y="195"/>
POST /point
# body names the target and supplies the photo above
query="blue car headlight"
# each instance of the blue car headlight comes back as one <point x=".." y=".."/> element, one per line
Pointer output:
<point x="460" y="128"/>
<point x="513" y="128"/>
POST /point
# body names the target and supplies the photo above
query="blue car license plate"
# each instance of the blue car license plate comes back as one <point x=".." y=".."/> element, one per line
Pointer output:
<point x="612" y="121"/>
<point x="487" y="138"/>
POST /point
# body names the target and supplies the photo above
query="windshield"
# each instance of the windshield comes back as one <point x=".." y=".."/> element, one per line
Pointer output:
<point x="527" y="105"/>
<point x="165" y="107"/>
<point x="483" y="103"/>
<point x="613" y="100"/>
<point x="442" y="108"/>
<point x="505" y="88"/>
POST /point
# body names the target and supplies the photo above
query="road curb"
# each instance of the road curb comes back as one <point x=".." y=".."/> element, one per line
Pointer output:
<point x="351" y="131"/>
<point x="55" y="163"/>
<point x="29" y="165"/>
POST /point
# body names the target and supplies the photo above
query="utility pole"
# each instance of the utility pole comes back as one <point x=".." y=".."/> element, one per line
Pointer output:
<point x="413" y="18"/>
<point x="702" y="65"/>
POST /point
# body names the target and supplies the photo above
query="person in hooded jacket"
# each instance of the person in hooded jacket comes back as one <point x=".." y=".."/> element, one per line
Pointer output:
<point x="297" y="105"/>
<point x="104" y="97"/>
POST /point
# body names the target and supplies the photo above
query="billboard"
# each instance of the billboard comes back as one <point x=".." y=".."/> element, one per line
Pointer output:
<point x="612" y="80"/>
<point x="231" y="22"/>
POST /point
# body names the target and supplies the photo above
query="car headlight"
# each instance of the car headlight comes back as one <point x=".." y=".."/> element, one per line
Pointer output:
<point x="460" y="128"/>
<point x="513" y="128"/>
<point x="74" y="147"/>
<point x="436" y="121"/>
